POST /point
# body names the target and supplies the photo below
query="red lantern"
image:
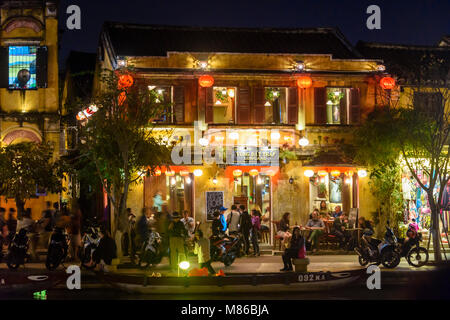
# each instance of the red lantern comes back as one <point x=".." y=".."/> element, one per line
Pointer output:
<point x="387" y="83"/>
<point x="122" y="98"/>
<point x="304" y="82"/>
<point x="125" y="81"/>
<point x="206" y="81"/>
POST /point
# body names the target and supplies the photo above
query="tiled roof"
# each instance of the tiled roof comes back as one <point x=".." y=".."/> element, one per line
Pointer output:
<point x="154" y="40"/>
<point x="405" y="59"/>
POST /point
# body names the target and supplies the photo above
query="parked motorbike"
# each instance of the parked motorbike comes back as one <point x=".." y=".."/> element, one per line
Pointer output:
<point x="151" y="253"/>
<point x="416" y="255"/>
<point x="90" y="242"/>
<point x="374" y="251"/>
<point x="225" y="249"/>
<point x="17" y="250"/>
<point x="57" y="249"/>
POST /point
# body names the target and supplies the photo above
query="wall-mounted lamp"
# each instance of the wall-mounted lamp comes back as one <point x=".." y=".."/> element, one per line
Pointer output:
<point x="300" y="66"/>
<point x="202" y="65"/>
<point x="381" y="67"/>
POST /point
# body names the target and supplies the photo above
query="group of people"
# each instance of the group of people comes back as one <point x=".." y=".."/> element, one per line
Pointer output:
<point x="239" y="221"/>
<point x="40" y="230"/>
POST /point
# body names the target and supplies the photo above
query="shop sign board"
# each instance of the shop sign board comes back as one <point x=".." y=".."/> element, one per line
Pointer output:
<point x="214" y="200"/>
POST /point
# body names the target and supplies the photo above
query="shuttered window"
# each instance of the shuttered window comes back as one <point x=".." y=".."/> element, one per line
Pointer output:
<point x="258" y="105"/>
<point x="243" y="106"/>
<point x="354" y="108"/>
<point x="320" y="105"/>
<point x="178" y="104"/>
<point x="23" y="67"/>
<point x="292" y="112"/>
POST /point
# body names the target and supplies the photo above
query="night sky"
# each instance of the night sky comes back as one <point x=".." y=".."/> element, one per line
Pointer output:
<point x="411" y="22"/>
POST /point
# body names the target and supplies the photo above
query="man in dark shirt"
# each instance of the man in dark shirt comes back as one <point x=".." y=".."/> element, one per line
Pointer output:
<point x="177" y="236"/>
<point x="339" y="230"/>
<point x="246" y="225"/>
<point x="217" y="225"/>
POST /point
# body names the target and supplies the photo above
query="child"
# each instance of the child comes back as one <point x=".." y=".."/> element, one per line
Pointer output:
<point x="201" y="249"/>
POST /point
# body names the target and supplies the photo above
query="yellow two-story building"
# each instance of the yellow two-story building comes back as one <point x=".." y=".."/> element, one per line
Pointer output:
<point x="267" y="111"/>
<point x="29" y="103"/>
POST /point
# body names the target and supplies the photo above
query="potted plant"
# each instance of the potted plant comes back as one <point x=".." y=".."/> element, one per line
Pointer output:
<point x="322" y="190"/>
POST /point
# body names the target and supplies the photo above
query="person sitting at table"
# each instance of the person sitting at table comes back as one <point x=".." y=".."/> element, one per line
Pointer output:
<point x="340" y="230"/>
<point x="316" y="225"/>
<point x="323" y="210"/>
<point x="296" y="244"/>
<point x="283" y="230"/>
<point x="337" y="212"/>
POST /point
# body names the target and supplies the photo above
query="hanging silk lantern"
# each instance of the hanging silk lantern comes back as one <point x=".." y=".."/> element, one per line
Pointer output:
<point x="335" y="173"/>
<point x="304" y="82"/>
<point x="253" y="172"/>
<point x="237" y="173"/>
<point x="157" y="173"/>
<point x="387" y="83"/>
<point x="206" y="81"/>
<point x="198" y="172"/>
<point x="81" y="116"/>
<point x="308" y="173"/>
<point x="170" y="173"/>
<point x="184" y="173"/>
<point x="322" y="173"/>
<point x="122" y="98"/>
<point x="125" y="81"/>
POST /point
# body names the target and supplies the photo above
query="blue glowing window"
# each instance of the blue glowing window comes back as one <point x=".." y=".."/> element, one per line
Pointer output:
<point x="22" y="67"/>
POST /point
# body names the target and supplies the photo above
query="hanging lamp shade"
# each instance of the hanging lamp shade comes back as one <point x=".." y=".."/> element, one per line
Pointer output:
<point x="125" y="81"/>
<point x="387" y="83"/>
<point x="335" y="173"/>
<point x="206" y="81"/>
<point x="322" y="173"/>
<point x="304" y="82"/>
<point x="237" y="173"/>
<point x="253" y="172"/>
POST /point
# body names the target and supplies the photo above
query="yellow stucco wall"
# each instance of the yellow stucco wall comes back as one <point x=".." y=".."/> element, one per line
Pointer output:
<point x="24" y="102"/>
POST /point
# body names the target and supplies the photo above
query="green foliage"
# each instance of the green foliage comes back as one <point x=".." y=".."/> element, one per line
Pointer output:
<point x="272" y="94"/>
<point x="335" y="99"/>
<point x="223" y="98"/>
<point x="26" y="165"/>
<point x="119" y="139"/>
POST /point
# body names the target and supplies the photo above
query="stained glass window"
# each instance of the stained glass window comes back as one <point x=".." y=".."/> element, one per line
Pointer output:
<point x="22" y="67"/>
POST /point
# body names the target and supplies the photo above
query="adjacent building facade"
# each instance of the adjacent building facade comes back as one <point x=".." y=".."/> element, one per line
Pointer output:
<point x="29" y="97"/>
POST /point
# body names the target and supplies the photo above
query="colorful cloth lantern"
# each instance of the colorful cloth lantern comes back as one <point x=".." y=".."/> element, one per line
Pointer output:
<point x="206" y="81"/>
<point x="304" y="82"/>
<point x="387" y="83"/>
<point x="125" y="81"/>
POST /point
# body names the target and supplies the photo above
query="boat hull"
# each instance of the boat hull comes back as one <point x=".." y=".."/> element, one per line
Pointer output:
<point x="287" y="282"/>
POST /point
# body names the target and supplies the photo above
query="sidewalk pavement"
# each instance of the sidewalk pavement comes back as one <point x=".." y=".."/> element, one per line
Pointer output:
<point x="250" y="264"/>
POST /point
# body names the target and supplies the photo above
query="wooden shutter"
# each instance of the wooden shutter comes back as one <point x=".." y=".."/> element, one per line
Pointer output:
<point x="41" y="67"/>
<point x="292" y="109"/>
<point x="4" y="68"/>
<point x="178" y="104"/>
<point x="243" y="106"/>
<point x="205" y="103"/>
<point x="209" y="111"/>
<point x="320" y="105"/>
<point x="259" y="115"/>
<point x="354" y="106"/>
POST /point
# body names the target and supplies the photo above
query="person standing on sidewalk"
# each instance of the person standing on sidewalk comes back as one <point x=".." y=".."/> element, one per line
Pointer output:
<point x="46" y="225"/>
<point x="177" y="236"/>
<point x="256" y="226"/>
<point x="74" y="232"/>
<point x="246" y="225"/>
<point x="12" y="224"/>
<point x="222" y="211"/>
<point x="202" y="250"/>
<point x="233" y="220"/>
